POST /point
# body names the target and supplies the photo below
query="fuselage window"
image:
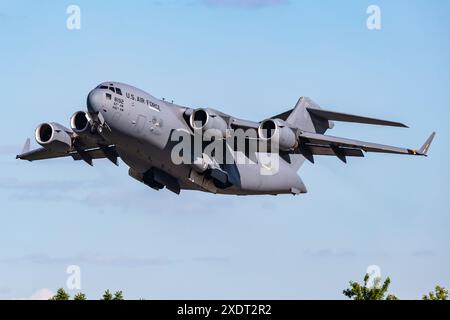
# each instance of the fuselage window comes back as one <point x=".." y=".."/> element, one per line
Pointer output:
<point x="118" y="91"/>
<point x="108" y="96"/>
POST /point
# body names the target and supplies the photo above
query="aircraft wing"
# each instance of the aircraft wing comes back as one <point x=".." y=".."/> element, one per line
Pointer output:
<point x="314" y="143"/>
<point x="86" y="154"/>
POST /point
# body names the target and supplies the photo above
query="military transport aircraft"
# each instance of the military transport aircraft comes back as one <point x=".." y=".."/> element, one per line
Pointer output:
<point x="126" y="122"/>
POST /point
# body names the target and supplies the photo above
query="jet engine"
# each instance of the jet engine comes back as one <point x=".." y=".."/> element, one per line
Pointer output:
<point x="79" y="123"/>
<point x="82" y="125"/>
<point x="53" y="136"/>
<point x="205" y="119"/>
<point x="277" y="130"/>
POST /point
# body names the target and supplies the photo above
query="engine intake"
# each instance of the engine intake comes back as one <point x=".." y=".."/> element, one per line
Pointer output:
<point x="277" y="131"/>
<point x="204" y="119"/>
<point x="53" y="136"/>
<point x="79" y="122"/>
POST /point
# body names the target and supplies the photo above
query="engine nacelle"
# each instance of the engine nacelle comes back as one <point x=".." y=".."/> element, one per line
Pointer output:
<point x="53" y="136"/>
<point x="82" y="125"/>
<point x="204" y="119"/>
<point x="276" y="130"/>
<point x="79" y="123"/>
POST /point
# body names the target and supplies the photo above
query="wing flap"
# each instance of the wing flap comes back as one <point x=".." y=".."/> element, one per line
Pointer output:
<point x="326" y="150"/>
<point x="96" y="153"/>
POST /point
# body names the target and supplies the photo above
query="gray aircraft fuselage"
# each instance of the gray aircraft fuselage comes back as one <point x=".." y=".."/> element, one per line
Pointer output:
<point x="141" y="126"/>
<point x="176" y="147"/>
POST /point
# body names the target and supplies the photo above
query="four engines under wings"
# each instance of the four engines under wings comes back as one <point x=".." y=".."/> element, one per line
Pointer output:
<point x="286" y="134"/>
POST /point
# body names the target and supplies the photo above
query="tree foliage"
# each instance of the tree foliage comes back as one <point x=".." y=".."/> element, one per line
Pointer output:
<point x="378" y="291"/>
<point x="107" y="295"/>
<point x="356" y="291"/>
<point x="118" y="295"/>
<point x="80" y="296"/>
<point x="439" y="293"/>
<point x="61" y="294"/>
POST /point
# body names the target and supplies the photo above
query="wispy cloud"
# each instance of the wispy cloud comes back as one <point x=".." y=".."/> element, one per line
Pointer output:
<point x="211" y="259"/>
<point x="5" y="290"/>
<point x="42" y="294"/>
<point x="96" y="194"/>
<point x="423" y="253"/>
<point x="326" y="253"/>
<point x="39" y="294"/>
<point x="108" y="261"/>
<point x="46" y="189"/>
<point x="48" y="184"/>
<point x="91" y="258"/>
<point x="249" y="4"/>
<point x="147" y="200"/>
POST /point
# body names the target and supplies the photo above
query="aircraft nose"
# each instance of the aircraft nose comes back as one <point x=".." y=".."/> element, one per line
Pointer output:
<point x="94" y="101"/>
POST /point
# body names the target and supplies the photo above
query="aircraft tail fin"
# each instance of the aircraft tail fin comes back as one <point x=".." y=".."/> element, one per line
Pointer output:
<point x="303" y="117"/>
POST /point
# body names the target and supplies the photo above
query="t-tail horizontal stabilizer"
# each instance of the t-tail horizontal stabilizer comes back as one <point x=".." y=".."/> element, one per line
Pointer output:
<point x="345" y="117"/>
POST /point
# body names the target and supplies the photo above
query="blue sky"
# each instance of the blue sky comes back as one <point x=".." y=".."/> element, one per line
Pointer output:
<point x="251" y="59"/>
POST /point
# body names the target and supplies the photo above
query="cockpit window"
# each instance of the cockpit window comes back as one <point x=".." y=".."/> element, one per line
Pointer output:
<point x="108" y="96"/>
<point x="111" y="88"/>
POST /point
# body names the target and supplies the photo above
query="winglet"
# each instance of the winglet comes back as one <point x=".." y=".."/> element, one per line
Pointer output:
<point x="25" y="149"/>
<point x="26" y="146"/>
<point x="424" y="149"/>
<point x="426" y="146"/>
